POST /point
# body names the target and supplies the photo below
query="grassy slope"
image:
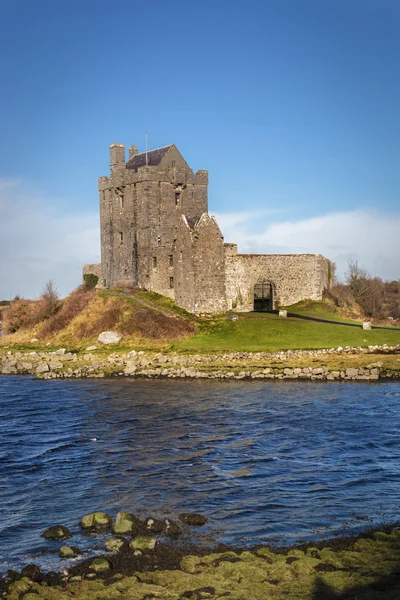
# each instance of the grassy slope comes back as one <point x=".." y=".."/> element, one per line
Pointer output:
<point x="268" y="332"/>
<point x="169" y="326"/>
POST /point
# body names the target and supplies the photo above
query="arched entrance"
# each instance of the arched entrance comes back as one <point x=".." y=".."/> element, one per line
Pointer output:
<point x="263" y="296"/>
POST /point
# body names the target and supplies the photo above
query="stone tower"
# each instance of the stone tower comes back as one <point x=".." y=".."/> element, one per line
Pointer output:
<point x="155" y="230"/>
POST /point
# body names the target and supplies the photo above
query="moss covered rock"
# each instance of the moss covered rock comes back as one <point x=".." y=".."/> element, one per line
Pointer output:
<point x="100" y="565"/>
<point x="96" y="520"/>
<point x="56" y="532"/>
<point x="114" y="544"/>
<point x="125" y="523"/>
<point x="69" y="552"/>
<point x="143" y="542"/>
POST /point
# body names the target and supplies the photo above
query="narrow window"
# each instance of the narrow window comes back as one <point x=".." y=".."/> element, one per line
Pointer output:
<point x="121" y="237"/>
<point x="154" y="261"/>
<point x="171" y="260"/>
<point x="171" y="282"/>
<point x="173" y="164"/>
<point x="181" y="254"/>
<point x="158" y="240"/>
<point x="121" y="202"/>
<point x="177" y="198"/>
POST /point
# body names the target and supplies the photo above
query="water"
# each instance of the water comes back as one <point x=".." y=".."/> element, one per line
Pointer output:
<point x="263" y="460"/>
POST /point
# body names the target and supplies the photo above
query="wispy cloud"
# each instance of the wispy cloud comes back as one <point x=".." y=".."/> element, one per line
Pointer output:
<point x="369" y="237"/>
<point x="38" y="242"/>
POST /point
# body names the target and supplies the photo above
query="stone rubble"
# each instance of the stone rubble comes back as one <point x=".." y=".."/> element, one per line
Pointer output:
<point x="234" y="365"/>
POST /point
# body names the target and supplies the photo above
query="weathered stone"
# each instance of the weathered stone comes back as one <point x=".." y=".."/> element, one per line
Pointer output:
<point x="69" y="552"/>
<point x="366" y="325"/>
<point x="143" y="543"/>
<point x="193" y="519"/>
<point x="56" y="532"/>
<point x="42" y="368"/>
<point x="351" y="372"/>
<point x="114" y="544"/>
<point x="109" y="337"/>
<point x="100" y="565"/>
<point x="96" y="520"/>
<point x="124" y="523"/>
<point x="172" y="530"/>
<point x="130" y="368"/>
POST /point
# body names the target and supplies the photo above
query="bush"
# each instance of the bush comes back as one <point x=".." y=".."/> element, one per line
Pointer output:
<point x="91" y="280"/>
<point x="72" y="306"/>
<point x="19" y="315"/>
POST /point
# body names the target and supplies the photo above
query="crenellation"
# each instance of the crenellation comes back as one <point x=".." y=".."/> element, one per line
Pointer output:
<point x="156" y="233"/>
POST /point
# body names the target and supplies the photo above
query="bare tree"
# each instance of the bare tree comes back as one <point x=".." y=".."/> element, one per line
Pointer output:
<point x="50" y="299"/>
<point x="368" y="292"/>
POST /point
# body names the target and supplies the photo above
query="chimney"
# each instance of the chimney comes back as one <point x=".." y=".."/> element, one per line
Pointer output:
<point x="132" y="151"/>
<point x="117" y="157"/>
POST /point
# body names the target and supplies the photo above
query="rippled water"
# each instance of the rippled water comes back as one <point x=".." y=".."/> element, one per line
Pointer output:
<point x="262" y="460"/>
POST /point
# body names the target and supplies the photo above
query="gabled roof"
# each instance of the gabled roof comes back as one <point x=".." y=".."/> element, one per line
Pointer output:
<point x="154" y="158"/>
<point x="191" y="222"/>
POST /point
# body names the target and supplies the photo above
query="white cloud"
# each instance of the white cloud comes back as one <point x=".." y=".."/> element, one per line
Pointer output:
<point x="38" y="242"/>
<point x="369" y="237"/>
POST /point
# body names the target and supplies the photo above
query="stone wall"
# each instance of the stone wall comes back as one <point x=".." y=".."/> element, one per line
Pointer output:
<point x="294" y="277"/>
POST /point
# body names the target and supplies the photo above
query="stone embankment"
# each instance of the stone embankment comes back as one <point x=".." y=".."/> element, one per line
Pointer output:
<point x="361" y="364"/>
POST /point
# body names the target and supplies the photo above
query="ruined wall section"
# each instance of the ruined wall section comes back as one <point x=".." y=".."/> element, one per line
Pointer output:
<point x="184" y="277"/>
<point x="294" y="277"/>
<point x="208" y="266"/>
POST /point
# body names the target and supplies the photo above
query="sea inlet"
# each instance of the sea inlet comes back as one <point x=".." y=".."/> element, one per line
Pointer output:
<point x="266" y="462"/>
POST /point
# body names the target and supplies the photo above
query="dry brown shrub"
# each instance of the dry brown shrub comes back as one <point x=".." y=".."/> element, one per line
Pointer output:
<point x="19" y="315"/>
<point x="150" y="324"/>
<point x="105" y="322"/>
<point x="72" y="306"/>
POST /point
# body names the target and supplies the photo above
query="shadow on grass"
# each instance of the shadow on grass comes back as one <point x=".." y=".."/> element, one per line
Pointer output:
<point x="384" y="588"/>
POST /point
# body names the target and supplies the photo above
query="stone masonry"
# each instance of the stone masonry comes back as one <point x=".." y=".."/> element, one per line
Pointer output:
<point x="156" y="234"/>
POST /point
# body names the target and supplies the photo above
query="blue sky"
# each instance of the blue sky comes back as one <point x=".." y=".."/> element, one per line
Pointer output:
<point x="292" y="106"/>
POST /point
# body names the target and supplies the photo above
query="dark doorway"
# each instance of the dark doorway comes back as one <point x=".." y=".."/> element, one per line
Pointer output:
<point x="263" y="296"/>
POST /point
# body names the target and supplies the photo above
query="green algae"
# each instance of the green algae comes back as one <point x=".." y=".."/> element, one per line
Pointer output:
<point x="367" y="569"/>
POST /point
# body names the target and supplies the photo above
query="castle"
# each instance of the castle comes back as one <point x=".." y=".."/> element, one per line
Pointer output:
<point x="156" y="234"/>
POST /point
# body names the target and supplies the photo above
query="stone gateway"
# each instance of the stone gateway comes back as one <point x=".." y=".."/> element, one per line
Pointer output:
<point x="156" y="234"/>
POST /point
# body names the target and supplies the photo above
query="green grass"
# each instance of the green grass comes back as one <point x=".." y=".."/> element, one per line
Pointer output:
<point x="266" y="332"/>
<point x="320" y="310"/>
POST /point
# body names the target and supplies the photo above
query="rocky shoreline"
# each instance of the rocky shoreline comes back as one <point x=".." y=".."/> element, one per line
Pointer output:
<point x="371" y="363"/>
<point x="139" y="564"/>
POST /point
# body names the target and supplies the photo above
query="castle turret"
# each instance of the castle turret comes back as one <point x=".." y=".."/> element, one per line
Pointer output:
<point x="133" y="150"/>
<point x="117" y="157"/>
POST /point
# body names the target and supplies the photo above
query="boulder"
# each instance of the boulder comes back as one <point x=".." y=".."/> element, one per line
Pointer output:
<point x="109" y="337"/>
<point x="124" y="523"/>
<point x="99" y="565"/>
<point x="193" y="519"/>
<point x="56" y="532"/>
<point x="154" y="525"/>
<point x="172" y="530"/>
<point x="69" y="552"/>
<point x="32" y="572"/>
<point x="143" y="542"/>
<point x="114" y="544"/>
<point x="96" y="520"/>
<point x="366" y="325"/>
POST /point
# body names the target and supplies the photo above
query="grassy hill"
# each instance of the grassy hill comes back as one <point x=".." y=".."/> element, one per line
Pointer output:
<point x="150" y="321"/>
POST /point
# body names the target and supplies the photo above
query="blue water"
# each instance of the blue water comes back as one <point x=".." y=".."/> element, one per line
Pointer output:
<point x="264" y="461"/>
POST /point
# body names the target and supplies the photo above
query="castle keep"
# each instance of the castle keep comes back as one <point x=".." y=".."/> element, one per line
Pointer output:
<point x="156" y="234"/>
